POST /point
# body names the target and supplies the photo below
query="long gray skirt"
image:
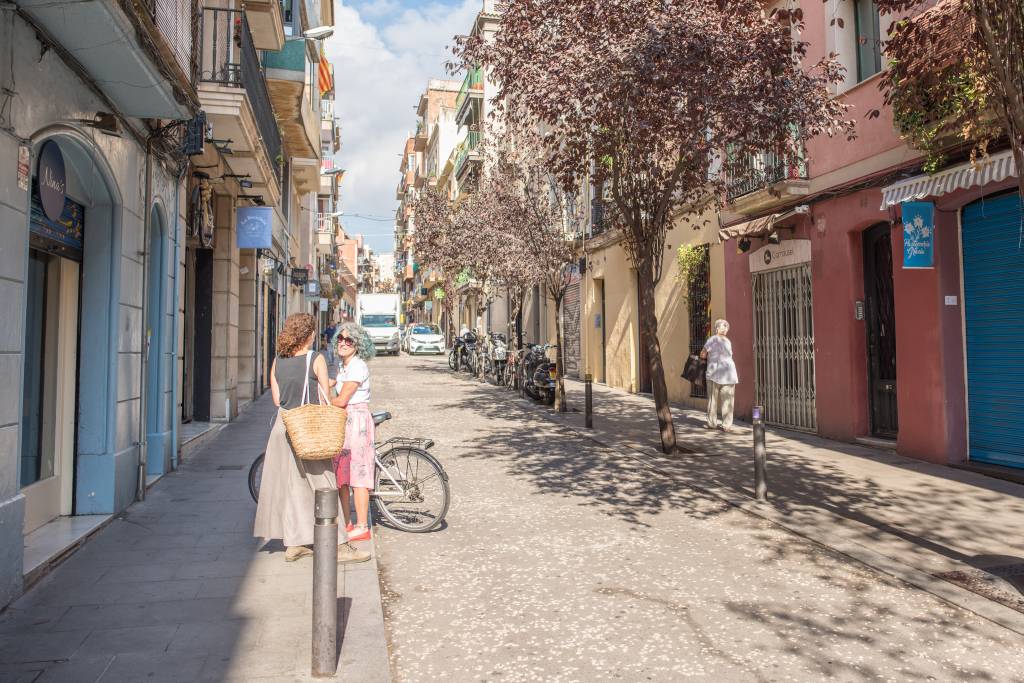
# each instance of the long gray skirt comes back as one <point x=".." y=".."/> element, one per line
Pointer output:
<point x="285" y="508"/>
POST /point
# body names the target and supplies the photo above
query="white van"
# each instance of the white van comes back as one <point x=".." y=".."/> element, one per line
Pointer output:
<point x="379" y="314"/>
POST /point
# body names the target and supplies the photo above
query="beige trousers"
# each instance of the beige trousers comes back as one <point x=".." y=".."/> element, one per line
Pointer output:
<point x="720" y="395"/>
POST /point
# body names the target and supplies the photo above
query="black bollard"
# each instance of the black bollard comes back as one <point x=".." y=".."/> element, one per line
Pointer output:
<point x="760" y="456"/>
<point x="325" y="584"/>
<point x="588" y="387"/>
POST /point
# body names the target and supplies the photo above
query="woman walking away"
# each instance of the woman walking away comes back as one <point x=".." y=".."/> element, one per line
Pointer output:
<point x="285" y="508"/>
<point x="355" y="465"/>
<point x="721" y="377"/>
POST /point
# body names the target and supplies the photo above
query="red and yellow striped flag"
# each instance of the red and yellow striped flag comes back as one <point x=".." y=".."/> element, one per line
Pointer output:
<point x="325" y="75"/>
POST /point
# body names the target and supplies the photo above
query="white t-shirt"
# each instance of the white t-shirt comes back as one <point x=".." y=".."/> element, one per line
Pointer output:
<point x="355" y="371"/>
<point x="721" y="367"/>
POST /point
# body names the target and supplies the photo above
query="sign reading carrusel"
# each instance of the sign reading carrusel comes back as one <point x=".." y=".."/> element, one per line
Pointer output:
<point x="255" y="227"/>
<point x="918" y="235"/>
<point x="300" y="276"/>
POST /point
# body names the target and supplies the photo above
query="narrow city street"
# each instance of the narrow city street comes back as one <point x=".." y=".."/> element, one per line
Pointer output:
<point x="561" y="560"/>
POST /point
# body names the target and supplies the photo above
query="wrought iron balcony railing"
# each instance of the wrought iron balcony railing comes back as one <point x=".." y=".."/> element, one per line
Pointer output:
<point x="757" y="171"/>
<point x="466" y="147"/>
<point x="474" y="81"/>
<point x="230" y="59"/>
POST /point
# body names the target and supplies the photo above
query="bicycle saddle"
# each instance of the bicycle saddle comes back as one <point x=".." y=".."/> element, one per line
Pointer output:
<point x="379" y="418"/>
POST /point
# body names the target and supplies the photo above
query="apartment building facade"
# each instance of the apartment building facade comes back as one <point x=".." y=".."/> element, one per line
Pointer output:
<point x="868" y="299"/>
<point x="143" y="134"/>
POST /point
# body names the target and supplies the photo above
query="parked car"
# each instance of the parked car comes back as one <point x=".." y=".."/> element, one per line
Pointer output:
<point x="424" y="338"/>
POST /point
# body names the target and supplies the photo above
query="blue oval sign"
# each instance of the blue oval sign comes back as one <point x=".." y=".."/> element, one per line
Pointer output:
<point x="52" y="180"/>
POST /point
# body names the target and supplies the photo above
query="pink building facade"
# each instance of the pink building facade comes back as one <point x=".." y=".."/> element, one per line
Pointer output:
<point x="835" y="330"/>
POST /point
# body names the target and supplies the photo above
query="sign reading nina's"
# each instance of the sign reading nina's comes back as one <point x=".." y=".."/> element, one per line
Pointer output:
<point x="52" y="180"/>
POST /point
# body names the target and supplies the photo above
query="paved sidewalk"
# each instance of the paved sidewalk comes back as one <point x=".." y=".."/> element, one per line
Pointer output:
<point x="929" y="524"/>
<point x="176" y="589"/>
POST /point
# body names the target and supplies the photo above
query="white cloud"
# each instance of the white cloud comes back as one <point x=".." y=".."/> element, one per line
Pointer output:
<point x="380" y="69"/>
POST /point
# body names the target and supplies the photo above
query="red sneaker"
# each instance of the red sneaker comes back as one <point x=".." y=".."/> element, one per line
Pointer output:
<point x="364" y="536"/>
<point x="349" y="527"/>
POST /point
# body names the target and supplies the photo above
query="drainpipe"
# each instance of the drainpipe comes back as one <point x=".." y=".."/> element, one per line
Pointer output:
<point x="174" y="341"/>
<point x="140" y="491"/>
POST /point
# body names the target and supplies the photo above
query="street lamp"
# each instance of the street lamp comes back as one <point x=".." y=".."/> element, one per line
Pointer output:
<point x="319" y="33"/>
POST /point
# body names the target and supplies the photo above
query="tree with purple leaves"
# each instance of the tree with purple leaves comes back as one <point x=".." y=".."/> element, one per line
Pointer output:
<point x="645" y="98"/>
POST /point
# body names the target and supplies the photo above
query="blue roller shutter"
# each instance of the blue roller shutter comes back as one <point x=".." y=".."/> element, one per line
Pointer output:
<point x="993" y="256"/>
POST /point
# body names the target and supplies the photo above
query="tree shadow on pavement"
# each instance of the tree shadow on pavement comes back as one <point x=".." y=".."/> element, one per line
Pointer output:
<point x="939" y="511"/>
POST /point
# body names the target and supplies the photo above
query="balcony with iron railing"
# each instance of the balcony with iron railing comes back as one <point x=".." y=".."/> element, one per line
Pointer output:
<point x="467" y="152"/>
<point x="229" y="61"/>
<point x="756" y="182"/>
<point x="472" y="89"/>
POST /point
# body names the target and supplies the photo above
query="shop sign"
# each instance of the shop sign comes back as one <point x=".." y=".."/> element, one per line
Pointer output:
<point x="918" y="235"/>
<point x="255" y="227"/>
<point x="786" y="253"/>
<point x="300" y="276"/>
<point x="52" y="180"/>
<point x="313" y="289"/>
<point x="63" y="236"/>
<point x="323" y="305"/>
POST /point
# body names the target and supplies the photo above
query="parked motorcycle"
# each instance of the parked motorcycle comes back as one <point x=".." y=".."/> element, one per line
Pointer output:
<point x="538" y="373"/>
<point x="463" y="353"/>
<point x="495" y="357"/>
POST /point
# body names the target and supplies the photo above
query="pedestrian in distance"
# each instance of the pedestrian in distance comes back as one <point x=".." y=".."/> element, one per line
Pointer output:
<point x="721" y="377"/>
<point x="354" y="467"/>
<point x="287" y="489"/>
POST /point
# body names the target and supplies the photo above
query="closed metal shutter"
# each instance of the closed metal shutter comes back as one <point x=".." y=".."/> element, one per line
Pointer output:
<point x="784" y="347"/>
<point x="994" y="309"/>
<point x="571" y="329"/>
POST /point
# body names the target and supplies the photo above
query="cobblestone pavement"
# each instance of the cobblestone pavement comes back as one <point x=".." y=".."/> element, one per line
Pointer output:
<point x="562" y="561"/>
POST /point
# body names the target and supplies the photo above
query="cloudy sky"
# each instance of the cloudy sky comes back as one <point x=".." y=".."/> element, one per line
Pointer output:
<point x="384" y="52"/>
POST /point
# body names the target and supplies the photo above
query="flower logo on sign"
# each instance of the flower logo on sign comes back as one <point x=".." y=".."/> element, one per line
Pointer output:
<point x="917" y="237"/>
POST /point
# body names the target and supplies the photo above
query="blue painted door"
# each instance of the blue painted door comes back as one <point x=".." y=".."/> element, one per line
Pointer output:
<point x="993" y="255"/>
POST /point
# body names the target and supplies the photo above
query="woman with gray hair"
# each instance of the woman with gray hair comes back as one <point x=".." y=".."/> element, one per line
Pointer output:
<point x="354" y="467"/>
<point x="721" y="376"/>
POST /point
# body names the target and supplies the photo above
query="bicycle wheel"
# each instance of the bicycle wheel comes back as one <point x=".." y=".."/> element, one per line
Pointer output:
<point x="451" y="360"/>
<point x="411" y="489"/>
<point x="255" y="476"/>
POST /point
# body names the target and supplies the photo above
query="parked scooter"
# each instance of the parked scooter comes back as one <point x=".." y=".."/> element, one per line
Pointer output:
<point x="495" y="357"/>
<point x="463" y="353"/>
<point x="539" y="374"/>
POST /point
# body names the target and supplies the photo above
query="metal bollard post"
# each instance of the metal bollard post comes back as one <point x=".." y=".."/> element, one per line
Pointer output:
<point x="760" y="456"/>
<point x="588" y="387"/>
<point x="325" y="584"/>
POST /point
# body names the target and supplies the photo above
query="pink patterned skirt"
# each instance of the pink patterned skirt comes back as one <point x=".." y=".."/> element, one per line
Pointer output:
<point x="354" y="467"/>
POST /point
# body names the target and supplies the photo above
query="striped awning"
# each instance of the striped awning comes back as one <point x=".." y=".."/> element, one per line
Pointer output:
<point x="995" y="168"/>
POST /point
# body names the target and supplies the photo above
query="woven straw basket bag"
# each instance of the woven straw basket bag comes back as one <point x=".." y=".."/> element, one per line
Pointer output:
<point x="316" y="431"/>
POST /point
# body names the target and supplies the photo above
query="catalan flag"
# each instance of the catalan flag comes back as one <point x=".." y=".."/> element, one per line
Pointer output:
<point x="325" y="75"/>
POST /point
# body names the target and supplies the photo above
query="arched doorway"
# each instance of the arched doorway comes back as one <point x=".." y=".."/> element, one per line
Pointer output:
<point x="68" y="441"/>
<point x="159" y="327"/>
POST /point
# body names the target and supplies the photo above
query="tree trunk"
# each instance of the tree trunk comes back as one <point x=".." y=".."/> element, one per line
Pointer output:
<point x="649" y="336"/>
<point x="560" y="405"/>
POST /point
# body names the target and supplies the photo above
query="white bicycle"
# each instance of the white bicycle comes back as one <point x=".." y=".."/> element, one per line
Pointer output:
<point x="410" y="487"/>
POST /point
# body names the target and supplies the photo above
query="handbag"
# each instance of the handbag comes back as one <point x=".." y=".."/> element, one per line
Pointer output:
<point x="695" y="370"/>
<point x="316" y="431"/>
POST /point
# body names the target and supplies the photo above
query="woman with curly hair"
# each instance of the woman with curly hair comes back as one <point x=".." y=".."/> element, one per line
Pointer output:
<point x="354" y="466"/>
<point x="285" y="507"/>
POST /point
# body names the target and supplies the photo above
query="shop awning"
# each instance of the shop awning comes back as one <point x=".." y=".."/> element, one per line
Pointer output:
<point x="759" y="227"/>
<point x="995" y="168"/>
